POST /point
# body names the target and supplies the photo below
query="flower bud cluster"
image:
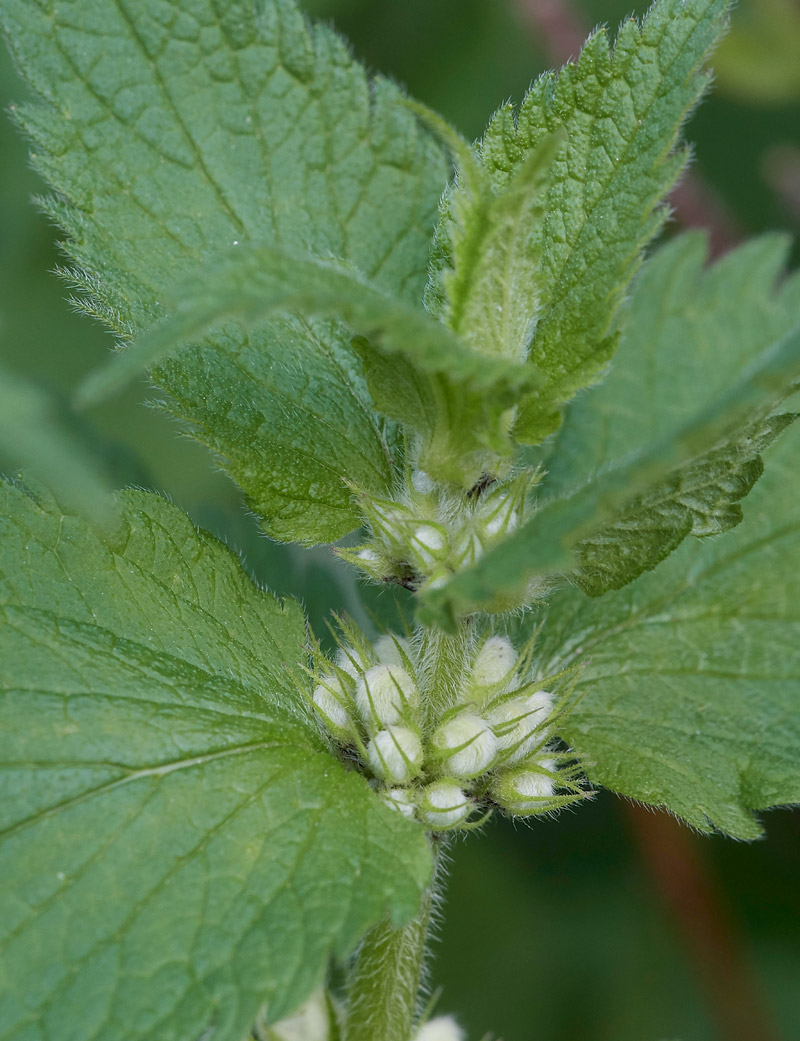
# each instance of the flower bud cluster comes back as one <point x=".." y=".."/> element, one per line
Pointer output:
<point x="428" y="533"/>
<point x="492" y="748"/>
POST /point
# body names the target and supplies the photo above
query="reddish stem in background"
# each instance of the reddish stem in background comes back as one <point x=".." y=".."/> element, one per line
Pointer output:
<point x="560" y="29"/>
<point x="690" y="894"/>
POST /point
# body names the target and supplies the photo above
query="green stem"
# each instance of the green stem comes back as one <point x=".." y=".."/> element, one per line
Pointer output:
<point x="444" y="659"/>
<point x="384" y="985"/>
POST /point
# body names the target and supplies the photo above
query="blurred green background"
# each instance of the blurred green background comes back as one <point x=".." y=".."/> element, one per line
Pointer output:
<point x="561" y="931"/>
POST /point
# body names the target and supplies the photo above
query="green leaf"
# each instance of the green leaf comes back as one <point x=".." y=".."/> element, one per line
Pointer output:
<point x="171" y="133"/>
<point x="420" y="373"/>
<point x="691" y="675"/>
<point x="256" y="282"/>
<point x="177" y="845"/>
<point x="622" y="112"/>
<point x="628" y="517"/>
<point x="690" y="331"/>
<point x="684" y="319"/>
<point x="31" y="435"/>
<point x="487" y="248"/>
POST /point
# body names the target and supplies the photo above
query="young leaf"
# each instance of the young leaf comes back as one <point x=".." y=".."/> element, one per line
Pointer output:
<point x="31" y="436"/>
<point x="622" y="112"/>
<point x="177" y="845"/>
<point x="486" y="255"/>
<point x="172" y="134"/>
<point x="629" y="517"/>
<point x="691" y="674"/>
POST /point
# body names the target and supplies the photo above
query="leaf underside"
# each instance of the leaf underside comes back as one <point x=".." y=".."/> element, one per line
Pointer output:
<point x="701" y="425"/>
<point x="177" y="846"/>
<point x="691" y="675"/>
<point x="172" y="133"/>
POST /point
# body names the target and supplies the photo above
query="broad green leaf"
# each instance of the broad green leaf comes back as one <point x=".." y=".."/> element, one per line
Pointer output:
<point x="622" y="111"/>
<point x="172" y="134"/>
<point x="690" y="331"/>
<point x="32" y="436"/>
<point x="177" y="845"/>
<point x="630" y="516"/>
<point x="257" y="282"/>
<point x="691" y="677"/>
<point x="419" y="372"/>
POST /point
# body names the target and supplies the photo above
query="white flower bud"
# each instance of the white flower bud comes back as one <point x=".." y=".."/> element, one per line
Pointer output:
<point x="400" y="799"/>
<point x="525" y="790"/>
<point x="428" y="543"/>
<point x="469" y="548"/>
<point x="387" y="649"/>
<point x="443" y="804"/>
<point x="473" y="744"/>
<point x="442" y="1028"/>
<point x="494" y="662"/>
<point x="517" y="723"/>
<point x="502" y="516"/>
<point x="422" y="482"/>
<point x="386" y="694"/>
<point x="350" y="661"/>
<point x="332" y="705"/>
<point x="395" y="755"/>
<point x="311" y="1022"/>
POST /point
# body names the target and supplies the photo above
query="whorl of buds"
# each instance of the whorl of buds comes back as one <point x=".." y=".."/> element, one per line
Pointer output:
<point x="443" y="805"/>
<point x="385" y="695"/>
<point x="395" y="755"/>
<point x="526" y="789"/>
<point x="466" y="744"/>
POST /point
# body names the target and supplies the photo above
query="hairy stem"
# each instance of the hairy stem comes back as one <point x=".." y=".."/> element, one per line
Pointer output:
<point x="443" y="660"/>
<point x="383" y="991"/>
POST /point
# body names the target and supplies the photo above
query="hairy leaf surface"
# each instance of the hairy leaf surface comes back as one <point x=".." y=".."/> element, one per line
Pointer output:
<point x="177" y="845"/>
<point x="174" y="132"/>
<point x="692" y="674"/>
<point x="610" y="519"/>
<point x="259" y="281"/>
<point x="622" y="111"/>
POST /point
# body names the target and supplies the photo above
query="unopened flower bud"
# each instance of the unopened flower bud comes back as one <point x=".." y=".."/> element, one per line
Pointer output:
<point x="388" y="649"/>
<point x="517" y="723"/>
<point x="443" y="805"/>
<point x="422" y="482"/>
<point x="333" y="707"/>
<point x="400" y="799"/>
<point x="470" y="742"/>
<point x="311" y="1022"/>
<point x="428" y="544"/>
<point x="395" y="755"/>
<point x="494" y="662"/>
<point x="386" y="694"/>
<point x="442" y="1028"/>
<point x="501" y="514"/>
<point x="350" y="661"/>
<point x="525" y="790"/>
